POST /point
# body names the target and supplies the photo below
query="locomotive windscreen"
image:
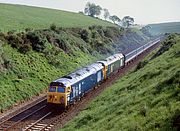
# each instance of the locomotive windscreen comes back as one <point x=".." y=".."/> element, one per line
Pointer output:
<point x="56" y="84"/>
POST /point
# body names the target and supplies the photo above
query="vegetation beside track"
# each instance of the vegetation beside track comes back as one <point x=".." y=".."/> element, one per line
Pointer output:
<point x="148" y="98"/>
<point x="33" y="51"/>
<point x="31" y="59"/>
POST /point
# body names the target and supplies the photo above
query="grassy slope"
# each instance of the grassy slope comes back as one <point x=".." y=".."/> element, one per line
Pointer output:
<point x="14" y="17"/>
<point x="61" y="50"/>
<point x="146" y="99"/>
<point x="30" y="73"/>
<point x="25" y="75"/>
<point x="172" y="27"/>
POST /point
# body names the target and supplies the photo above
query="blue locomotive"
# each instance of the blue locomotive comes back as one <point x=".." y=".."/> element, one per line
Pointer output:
<point x="68" y="89"/>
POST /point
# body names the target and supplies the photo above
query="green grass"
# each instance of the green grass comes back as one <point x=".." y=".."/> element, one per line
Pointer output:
<point x="29" y="74"/>
<point x="18" y="17"/>
<point x="31" y="59"/>
<point x="172" y="27"/>
<point x="49" y="55"/>
<point x="145" y="99"/>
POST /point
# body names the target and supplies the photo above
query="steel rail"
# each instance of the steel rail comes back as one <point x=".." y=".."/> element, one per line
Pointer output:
<point x="33" y="124"/>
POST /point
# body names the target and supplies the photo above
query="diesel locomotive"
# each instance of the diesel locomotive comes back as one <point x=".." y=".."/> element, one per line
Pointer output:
<point x="70" y="88"/>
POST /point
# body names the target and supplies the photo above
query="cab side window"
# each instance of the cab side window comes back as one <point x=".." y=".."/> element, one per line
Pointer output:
<point x="52" y="89"/>
<point x="61" y="89"/>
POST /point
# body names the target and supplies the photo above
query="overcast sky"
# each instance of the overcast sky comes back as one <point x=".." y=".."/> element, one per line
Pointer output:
<point x="144" y="11"/>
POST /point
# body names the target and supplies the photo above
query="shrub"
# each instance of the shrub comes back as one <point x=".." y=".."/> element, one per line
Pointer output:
<point x="2" y="36"/>
<point x="176" y="120"/>
<point x="140" y="65"/>
<point x="53" y="27"/>
<point x="37" y="40"/>
<point x="168" y="43"/>
<point x="143" y="110"/>
<point x="28" y="29"/>
<point x="85" y="35"/>
<point x="6" y="61"/>
<point x="11" y="32"/>
<point x="25" y="48"/>
<point x="14" y="40"/>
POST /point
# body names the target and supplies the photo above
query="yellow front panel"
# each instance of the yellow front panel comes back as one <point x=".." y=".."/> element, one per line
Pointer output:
<point x="57" y="98"/>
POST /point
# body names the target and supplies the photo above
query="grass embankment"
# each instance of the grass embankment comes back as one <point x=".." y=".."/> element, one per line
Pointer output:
<point x="19" y="17"/>
<point x="171" y="27"/>
<point x="148" y="98"/>
<point x="32" y="55"/>
<point x="30" y="60"/>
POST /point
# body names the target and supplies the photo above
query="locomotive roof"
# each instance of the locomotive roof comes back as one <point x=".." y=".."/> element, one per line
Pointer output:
<point x="113" y="58"/>
<point x="79" y="74"/>
<point x="82" y="73"/>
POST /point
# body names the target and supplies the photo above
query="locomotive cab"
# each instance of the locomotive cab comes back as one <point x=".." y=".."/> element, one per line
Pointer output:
<point x="58" y="94"/>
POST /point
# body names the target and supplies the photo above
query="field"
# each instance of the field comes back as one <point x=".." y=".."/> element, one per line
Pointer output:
<point x="148" y="98"/>
<point x="18" y="17"/>
<point x="173" y="27"/>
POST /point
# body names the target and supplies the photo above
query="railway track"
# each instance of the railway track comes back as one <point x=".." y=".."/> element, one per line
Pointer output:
<point x="15" y="118"/>
<point x="41" y="117"/>
<point x="39" y="124"/>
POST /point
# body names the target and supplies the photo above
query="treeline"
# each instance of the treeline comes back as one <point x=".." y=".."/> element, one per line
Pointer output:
<point x="95" y="11"/>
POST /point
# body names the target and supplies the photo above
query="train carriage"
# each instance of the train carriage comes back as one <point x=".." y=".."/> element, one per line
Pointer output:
<point x="113" y="63"/>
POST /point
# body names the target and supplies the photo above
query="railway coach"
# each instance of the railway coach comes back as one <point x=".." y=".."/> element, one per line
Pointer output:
<point x="70" y="88"/>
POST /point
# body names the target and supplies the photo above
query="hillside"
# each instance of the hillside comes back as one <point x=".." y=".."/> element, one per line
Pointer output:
<point x="31" y="59"/>
<point x="172" y="27"/>
<point x="148" y="98"/>
<point x="19" y="17"/>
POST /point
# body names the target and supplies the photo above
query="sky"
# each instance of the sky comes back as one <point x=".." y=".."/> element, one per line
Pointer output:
<point x="143" y="11"/>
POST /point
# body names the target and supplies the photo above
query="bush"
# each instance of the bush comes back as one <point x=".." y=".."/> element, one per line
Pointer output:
<point x="2" y="36"/>
<point x="14" y="40"/>
<point x="168" y="43"/>
<point x="176" y="120"/>
<point x="6" y="61"/>
<point x="28" y="29"/>
<point x="11" y="32"/>
<point x="37" y="40"/>
<point x="85" y="35"/>
<point x="143" y="110"/>
<point x="53" y="27"/>
<point x="25" y="48"/>
<point x="140" y="65"/>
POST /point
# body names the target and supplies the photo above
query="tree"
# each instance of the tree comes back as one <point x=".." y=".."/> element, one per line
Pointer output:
<point x="115" y="19"/>
<point x="92" y="9"/>
<point x="106" y="13"/>
<point x="146" y="30"/>
<point x="127" y="21"/>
